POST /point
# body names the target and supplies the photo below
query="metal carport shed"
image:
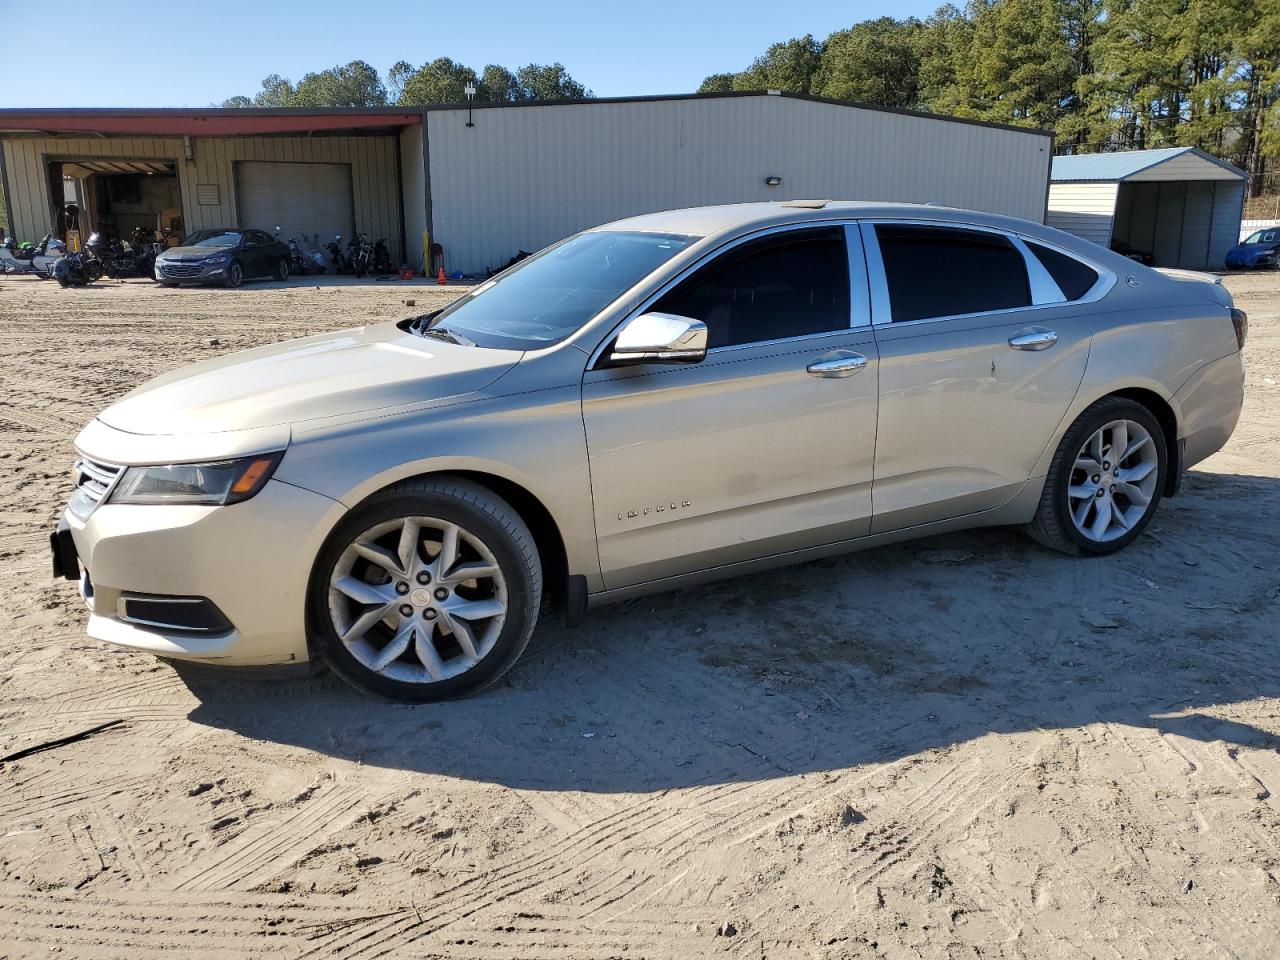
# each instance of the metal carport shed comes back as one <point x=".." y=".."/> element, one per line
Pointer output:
<point x="1179" y="206"/>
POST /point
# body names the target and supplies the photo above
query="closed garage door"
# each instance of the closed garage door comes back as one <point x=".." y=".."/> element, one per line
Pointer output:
<point x="300" y="198"/>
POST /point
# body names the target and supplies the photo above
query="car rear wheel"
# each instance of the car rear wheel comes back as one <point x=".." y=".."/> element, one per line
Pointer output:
<point x="235" y="274"/>
<point x="1105" y="481"/>
<point x="282" y="271"/>
<point x="429" y="590"/>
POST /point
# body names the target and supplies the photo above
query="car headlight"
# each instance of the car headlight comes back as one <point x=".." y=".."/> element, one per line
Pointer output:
<point x="210" y="484"/>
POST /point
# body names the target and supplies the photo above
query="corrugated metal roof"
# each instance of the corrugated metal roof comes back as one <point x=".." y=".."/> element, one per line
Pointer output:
<point x="1121" y="166"/>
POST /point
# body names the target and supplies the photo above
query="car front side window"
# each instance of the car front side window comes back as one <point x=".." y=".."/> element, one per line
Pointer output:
<point x="779" y="286"/>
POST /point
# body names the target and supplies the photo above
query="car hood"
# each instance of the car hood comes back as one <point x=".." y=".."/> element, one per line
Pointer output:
<point x="336" y="374"/>
<point x="191" y="253"/>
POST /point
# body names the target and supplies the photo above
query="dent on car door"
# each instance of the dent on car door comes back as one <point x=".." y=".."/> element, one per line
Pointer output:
<point x="763" y="447"/>
<point x="977" y="368"/>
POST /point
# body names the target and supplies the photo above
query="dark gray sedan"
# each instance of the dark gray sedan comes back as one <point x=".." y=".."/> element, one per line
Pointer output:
<point x="225" y="256"/>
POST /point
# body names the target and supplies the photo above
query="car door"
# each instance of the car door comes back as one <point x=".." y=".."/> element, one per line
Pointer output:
<point x="259" y="245"/>
<point x="981" y="355"/>
<point x="765" y="446"/>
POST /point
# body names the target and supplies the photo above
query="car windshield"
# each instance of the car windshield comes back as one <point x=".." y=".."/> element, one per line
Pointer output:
<point x="214" y="238"/>
<point x="549" y="296"/>
<point x="1263" y="236"/>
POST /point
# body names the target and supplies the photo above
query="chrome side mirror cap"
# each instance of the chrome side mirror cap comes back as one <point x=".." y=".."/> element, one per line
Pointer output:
<point x="659" y="338"/>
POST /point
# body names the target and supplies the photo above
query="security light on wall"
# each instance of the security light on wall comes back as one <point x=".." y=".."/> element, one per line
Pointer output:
<point x="470" y="91"/>
<point x="773" y="181"/>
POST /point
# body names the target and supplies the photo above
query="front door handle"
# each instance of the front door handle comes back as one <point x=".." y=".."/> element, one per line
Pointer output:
<point x="837" y="363"/>
<point x="1033" y="338"/>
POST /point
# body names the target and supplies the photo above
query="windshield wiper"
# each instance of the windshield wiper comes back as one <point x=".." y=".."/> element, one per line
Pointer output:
<point x="444" y="333"/>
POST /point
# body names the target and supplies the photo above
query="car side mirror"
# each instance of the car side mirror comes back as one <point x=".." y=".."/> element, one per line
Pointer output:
<point x="659" y="338"/>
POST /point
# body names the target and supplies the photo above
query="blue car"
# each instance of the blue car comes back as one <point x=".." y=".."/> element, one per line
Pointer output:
<point x="1259" y="249"/>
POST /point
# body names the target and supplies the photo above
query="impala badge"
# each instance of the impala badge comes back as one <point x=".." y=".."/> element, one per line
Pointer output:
<point x="660" y="508"/>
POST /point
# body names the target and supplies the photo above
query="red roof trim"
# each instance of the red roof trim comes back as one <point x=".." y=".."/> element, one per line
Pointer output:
<point x="220" y="123"/>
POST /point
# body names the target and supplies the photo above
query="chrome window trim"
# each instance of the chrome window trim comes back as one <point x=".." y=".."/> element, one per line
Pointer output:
<point x="1044" y="289"/>
<point x="881" y="310"/>
<point x="862" y="288"/>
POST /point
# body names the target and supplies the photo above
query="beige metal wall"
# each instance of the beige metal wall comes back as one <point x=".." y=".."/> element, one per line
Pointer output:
<point x="524" y="177"/>
<point x="413" y="178"/>
<point x="1085" y="209"/>
<point x="374" y="181"/>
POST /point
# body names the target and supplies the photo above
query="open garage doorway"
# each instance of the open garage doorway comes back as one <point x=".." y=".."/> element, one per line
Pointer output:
<point x="119" y="199"/>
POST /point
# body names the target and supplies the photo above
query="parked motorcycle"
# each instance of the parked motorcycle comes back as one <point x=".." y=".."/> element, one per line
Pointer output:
<point x="31" y="258"/>
<point x="298" y="262"/>
<point x="381" y="257"/>
<point x="360" y="255"/>
<point x="76" y="270"/>
<point x="122" y="261"/>
<point x="520" y="255"/>
<point x="337" y="259"/>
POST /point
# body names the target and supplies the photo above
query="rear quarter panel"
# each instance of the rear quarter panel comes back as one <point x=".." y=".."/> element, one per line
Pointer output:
<point x="1152" y="335"/>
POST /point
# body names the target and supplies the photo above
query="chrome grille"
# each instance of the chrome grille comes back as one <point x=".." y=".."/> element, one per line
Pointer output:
<point x="93" y="481"/>
<point x="181" y="269"/>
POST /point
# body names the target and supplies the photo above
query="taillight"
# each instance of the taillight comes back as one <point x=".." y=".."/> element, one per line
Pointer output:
<point x="1240" y="320"/>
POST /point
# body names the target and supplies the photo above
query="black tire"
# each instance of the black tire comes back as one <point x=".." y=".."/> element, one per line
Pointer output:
<point x="235" y="274"/>
<point x="1052" y="525"/>
<point x="480" y="512"/>
<point x="94" y="271"/>
<point x="282" y="271"/>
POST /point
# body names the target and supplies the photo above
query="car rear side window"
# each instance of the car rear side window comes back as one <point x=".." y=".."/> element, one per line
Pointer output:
<point x="942" y="271"/>
<point x="1073" y="278"/>
<point x="785" y="285"/>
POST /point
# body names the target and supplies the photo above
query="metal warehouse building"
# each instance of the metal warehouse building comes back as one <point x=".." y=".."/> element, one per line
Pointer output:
<point x="487" y="182"/>
<point x="1178" y="207"/>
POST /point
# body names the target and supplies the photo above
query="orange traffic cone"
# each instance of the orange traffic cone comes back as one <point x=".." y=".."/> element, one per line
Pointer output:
<point x="440" y="280"/>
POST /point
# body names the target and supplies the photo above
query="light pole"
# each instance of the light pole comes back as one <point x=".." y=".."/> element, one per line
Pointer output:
<point x="470" y="91"/>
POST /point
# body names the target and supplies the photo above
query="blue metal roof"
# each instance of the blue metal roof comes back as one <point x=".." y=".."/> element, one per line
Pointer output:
<point x="1120" y="166"/>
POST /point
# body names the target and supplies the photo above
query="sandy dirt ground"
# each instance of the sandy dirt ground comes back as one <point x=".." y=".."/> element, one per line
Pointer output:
<point x="961" y="747"/>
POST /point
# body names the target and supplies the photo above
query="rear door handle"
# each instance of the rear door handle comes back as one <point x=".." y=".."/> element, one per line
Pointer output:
<point x="837" y="363"/>
<point x="1033" y="338"/>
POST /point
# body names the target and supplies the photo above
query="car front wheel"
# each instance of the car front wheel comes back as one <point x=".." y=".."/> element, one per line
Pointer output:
<point x="282" y="271"/>
<point x="429" y="590"/>
<point x="235" y="274"/>
<point x="1105" y="480"/>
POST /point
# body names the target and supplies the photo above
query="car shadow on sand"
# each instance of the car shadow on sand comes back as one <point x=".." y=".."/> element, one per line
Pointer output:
<point x="861" y="659"/>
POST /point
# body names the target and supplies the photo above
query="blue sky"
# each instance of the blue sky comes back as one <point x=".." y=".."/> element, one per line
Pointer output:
<point x="178" y="53"/>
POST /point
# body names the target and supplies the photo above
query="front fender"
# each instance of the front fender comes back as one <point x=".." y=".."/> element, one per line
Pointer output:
<point x="535" y="440"/>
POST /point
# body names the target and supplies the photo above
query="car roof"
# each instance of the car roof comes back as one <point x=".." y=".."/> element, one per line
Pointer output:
<point x="728" y="220"/>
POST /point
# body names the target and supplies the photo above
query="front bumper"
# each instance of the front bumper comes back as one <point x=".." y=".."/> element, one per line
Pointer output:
<point x="251" y="560"/>
<point x="1243" y="262"/>
<point x="177" y="271"/>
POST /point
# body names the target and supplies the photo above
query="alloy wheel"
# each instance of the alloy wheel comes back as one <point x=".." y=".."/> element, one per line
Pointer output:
<point x="1113" y="480"/>
<point x="417" y="599"/>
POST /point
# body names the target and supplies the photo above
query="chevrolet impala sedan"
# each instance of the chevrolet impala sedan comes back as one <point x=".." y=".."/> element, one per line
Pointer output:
<point x="648" y="404"/>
